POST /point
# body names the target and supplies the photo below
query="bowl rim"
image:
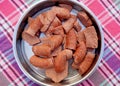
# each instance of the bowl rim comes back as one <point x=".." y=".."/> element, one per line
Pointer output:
<point x="22" y="17"/>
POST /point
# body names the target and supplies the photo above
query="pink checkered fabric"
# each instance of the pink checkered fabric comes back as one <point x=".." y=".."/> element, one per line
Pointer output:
<point x="108" y="72"/>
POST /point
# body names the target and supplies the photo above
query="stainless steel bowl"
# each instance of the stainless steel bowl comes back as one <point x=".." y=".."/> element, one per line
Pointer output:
<point x="23" y="51"/>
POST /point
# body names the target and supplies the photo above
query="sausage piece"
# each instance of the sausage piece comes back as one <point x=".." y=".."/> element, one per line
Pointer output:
<point x="31" y="40"/>
<point x="42" y="62"/>
<point x="61" y="58"/>
<point x="56" y="22"/>
<point x="52" y="41"/>
<point x="81" y="36"/>
<point x="46" y="18"/>
<point x="85" y="65"/>
<point x="71" y="40"/>
<point x="58" y="31"/>
<point x="80" y="53"/>
<point x="60" y="62"/>
<point x="42" y="50"/>
<point x="62" y="13"/>
<point x="77" y="26"/>
<point x="86" y="21"/>
<point x="56" y="51"/>
<point x="91" y="37"/>
<point x="57" y="77"/>
<point x="68" y="24"/>
<point x="34" y="27"/>
<point x="55" y="41"/>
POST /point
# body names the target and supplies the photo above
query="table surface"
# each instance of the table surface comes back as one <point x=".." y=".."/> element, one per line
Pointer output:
<point x="108" y="72"/>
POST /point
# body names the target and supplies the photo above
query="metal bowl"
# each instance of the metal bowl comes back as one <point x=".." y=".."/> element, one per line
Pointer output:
<point x="23" y="51"/>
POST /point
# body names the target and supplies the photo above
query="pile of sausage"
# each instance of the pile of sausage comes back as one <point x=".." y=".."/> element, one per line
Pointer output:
<point x="64" y="39"/>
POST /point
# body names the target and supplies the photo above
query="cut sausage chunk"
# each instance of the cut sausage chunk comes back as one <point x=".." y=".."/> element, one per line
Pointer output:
<point x="56" y="22"/>
<point x="42" y="62"/>
<point x="84" y="18"/>
<point x="34" y="27"/>
<point x="61" y="59"/>
<point x="56" y="51"/>
<point x="57" y="77"/>
<point x="71" y="40"/>
<point x="85" y="65"/>
<point x="77" y="26"/>
<point x="42" y="50"/>
<point x="91" y="37"/>
<point x="42" y="18"/>
<point x="55" y="41"/>
<point x="68" y="24"/>
<point x="80" y="36"/>
<point x="31" y="40"/>
<point x="58" y="31"/>
<point x="62" y="13"/>
<point x="80" y="53"/>
<point x="46" y="18"/>
<point x="60" y="62"/>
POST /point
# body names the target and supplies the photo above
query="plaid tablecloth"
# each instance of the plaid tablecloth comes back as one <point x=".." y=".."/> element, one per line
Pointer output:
<point x="108" y="72"/>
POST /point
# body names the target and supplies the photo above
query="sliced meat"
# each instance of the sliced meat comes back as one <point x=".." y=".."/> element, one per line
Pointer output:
<point x="58" y="31"/>
<point x="86" y="21"/>
<point x="31" y="40"/>
<point x="69" y="7"/>
<point x="91" y="37"/>
<point x="42" y="18"/>
<point x="56" y="22"/>
<point x="42" y="62"/>
<point x="80" y="53"/>
<point x="50" y="15"/>
<point x="61" y="59"/>
<point x="56" y="51"/>
<point x="55" y="41"/>
<point x="57" y="77"/>
<point x="46" y="18"/>
<point x="60" y="62"/>
<point x="44" y="28"/>
<point x="81" y="36"/>
<point x="34" y="27"/>
<point x="77" y="26"/>
<point x="62" y="13"/>
<point x="68" y="24"/>
<point x="42" y="50"/>
<point x="71" y="40"/>
<point x="85" y="65"/>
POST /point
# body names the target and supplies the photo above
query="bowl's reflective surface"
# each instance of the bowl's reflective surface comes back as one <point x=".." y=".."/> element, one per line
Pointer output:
<point x="23" y="51"/>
